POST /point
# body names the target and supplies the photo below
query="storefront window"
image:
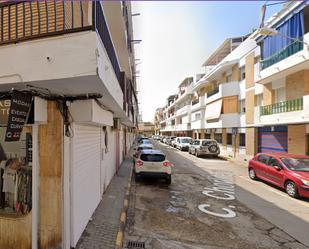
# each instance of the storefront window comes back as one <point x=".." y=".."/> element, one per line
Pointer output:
<point x="218" y="138"/>
<point x="16" y="173"/>
<point x="229" y="139"/>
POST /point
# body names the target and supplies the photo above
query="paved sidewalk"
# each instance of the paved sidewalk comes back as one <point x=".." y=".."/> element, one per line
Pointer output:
<point x="101" y="232"/>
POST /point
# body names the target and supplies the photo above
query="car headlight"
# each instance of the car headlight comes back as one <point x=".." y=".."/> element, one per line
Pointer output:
<point x="306" y="182"/>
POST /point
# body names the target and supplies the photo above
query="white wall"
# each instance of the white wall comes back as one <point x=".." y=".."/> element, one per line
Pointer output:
<point x="107" y="74"/>
<point x="70" y="55"/>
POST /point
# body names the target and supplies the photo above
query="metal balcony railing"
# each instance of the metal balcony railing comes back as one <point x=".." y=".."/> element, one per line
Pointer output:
<point x="213" y="92"/>
<point x="282" y="107"/>
<point x="24" y="20"/>
<point x="284" y="53"/>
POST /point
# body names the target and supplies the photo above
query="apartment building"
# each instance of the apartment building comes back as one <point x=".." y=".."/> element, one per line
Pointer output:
<point x="72" y="64"/>
<point x="158" y="119"/>
<point x="146" y="128"/>
<point x="279" y="113"/>
<point x="253" y="97"/>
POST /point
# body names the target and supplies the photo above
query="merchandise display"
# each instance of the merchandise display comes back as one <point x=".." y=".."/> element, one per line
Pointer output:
<point x="16" y="176"/>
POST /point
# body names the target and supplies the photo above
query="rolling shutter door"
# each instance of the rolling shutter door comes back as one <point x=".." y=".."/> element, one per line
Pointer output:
<point x="85" y="178"/>
<point x="272" y="140"/>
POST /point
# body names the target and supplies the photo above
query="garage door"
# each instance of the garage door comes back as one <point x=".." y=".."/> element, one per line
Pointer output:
<point x="85" y="178"/>
<point x="273" y="139"/>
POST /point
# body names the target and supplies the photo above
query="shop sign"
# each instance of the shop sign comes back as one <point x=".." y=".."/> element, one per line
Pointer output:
<point x="4" y="111"/>
<point x="18" y="115"/>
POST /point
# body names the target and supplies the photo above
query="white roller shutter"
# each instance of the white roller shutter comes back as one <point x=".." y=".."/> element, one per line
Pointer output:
<point x="213" y="110"/>
<point x="85" y="177"/>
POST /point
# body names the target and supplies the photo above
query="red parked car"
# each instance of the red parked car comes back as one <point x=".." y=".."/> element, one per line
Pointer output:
<point x="287" y="171"/>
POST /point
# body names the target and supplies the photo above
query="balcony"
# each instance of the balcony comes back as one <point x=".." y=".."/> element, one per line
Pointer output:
<point x="227" y="120"/>
<point x="198" y="103"/>
<point x="281" y="55"/>
<point x="286" y="112"/>
<point x="290" y="60"/>
<point x="282" y="107"/>
<point x="183" y="127"/>
<point x="25" y="20"/>
<point x="183" y="110"/>
<point x="223" y="90"/>
<point x="84" y="62"/>
<point x="213" y="92"/>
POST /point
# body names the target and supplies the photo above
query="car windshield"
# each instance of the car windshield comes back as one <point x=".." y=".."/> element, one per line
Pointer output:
<point x="152" y="157"/>
<point x="146" y="142"/>
<point x="145" y="148"/>
<point x="185" y="140"/>
<point x="205" y="143"/>
<point x="296" y="164"/>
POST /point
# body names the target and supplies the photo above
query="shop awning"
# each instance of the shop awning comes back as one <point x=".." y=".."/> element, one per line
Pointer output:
<point x="213" y="110"/>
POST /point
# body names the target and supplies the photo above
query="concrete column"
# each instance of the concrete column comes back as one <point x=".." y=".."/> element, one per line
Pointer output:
<point x="251" y="141"/>
<point x="297" y="140"/>
<point x="212" y="134"/>
<point x="224" y="138"/>
<point x="202" y="134"/>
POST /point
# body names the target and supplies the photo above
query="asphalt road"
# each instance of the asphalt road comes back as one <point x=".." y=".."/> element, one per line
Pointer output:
<point x="211" y="203"/>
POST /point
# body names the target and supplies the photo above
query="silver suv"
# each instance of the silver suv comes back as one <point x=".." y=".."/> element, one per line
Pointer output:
<point x="201" y="147"/>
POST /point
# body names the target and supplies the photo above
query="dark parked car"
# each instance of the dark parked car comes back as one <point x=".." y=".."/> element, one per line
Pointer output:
<point x="287" y="171"/>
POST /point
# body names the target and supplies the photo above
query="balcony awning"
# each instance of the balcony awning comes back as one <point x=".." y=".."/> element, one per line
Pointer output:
<point x="215" y="73"/>
<point x="213" y="110"/>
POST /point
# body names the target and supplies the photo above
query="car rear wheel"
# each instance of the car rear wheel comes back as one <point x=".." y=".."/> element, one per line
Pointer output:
<point x="168" y="180"/>
<point x="291" y="189"/>
<point x="197" y="154"/>
<point x="252" y="174"/>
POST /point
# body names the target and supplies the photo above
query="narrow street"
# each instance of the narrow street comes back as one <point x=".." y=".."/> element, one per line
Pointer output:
<point x="211" y="203"/>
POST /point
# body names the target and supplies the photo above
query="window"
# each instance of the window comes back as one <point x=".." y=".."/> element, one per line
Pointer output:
<point x="196" y="142"/>
<point x="207" y="136"/>
<point x="297" y="164"/>
<point x="229" y="139"/>
<point x="185" y="140"/>
<point x="197" y="116"/>
<point x="218" y="138"/>
<point x="242" y="139"/>
<point x="263" y="159"/>
<point x="273" y="162"/>
<point x="16" y="173"/>
<point x="152" y="157"/>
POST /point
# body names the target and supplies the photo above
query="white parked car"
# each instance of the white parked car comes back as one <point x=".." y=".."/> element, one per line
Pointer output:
<point x="152" y="163"/>
<point x="183" y="143"/>
<point x="141" y="147"/>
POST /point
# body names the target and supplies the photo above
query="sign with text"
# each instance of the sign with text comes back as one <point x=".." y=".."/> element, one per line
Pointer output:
<point x="18" y="115"/>
<point x="4" y="111"/>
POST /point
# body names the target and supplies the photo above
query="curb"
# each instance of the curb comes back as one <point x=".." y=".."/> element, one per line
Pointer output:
<point x="123" y="216"/>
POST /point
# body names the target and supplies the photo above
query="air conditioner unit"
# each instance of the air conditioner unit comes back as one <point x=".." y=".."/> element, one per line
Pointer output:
<point x="116" y="125"/>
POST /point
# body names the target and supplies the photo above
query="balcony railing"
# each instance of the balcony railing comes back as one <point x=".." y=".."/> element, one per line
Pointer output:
<point x="284" y="53"/>
<point x="213" y="92"/>
<point x="24" y="20"/>
<point x="195" y="101"/>
<point x="282" y="107"/>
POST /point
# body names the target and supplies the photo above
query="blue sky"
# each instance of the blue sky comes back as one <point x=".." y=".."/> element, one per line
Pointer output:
<point x="177" y="37"/>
